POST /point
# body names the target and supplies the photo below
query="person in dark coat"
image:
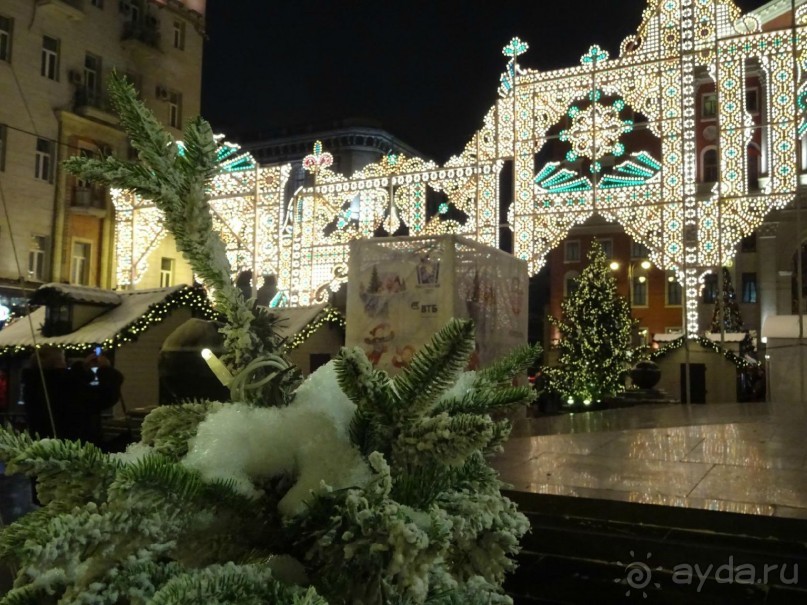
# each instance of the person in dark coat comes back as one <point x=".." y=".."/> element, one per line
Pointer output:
<point x="95" y="387"/>
<point x="40" y="420"/>
<point x="77" y="396"/>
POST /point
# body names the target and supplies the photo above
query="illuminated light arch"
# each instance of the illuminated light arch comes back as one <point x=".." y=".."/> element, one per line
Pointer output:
<point x="654" y="197"/>
<point x="245" y="202"/>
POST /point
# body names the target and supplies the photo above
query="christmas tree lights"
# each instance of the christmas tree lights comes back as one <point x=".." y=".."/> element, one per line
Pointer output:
<point x="595" y="336"/>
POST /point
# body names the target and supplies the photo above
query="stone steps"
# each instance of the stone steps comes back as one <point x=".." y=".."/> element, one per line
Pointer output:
<point x="578" y="551"/>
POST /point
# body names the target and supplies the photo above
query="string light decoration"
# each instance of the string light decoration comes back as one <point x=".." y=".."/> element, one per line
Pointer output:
<point x="329" y="315"/>
<point x="737" y="360"/>
<point x="193" y="298"/>
<point x="245" y="202"/>
<point x="651" y="191"/>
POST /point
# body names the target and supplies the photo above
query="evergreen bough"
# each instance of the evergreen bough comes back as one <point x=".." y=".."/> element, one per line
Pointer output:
<point x="419" y="518"/>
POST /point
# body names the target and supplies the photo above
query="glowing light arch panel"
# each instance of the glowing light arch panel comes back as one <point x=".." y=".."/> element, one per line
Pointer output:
<point x="589" y="111"/>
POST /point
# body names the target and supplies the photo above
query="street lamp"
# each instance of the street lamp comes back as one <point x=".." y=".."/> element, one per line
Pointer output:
<point x="642" y="279"/>
<point x="644" y="265"/>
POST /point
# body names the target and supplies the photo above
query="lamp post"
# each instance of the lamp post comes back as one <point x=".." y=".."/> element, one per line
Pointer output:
<point x="645" y="266"/>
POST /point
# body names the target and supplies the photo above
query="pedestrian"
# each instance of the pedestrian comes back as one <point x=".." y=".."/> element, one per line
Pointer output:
<point x="267" y="291"/>
<point x="45" y="403"/>
<point x="94" y="388"/>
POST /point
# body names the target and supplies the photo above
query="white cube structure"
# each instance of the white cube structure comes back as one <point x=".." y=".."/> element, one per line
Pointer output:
<point x="401" y="290"/>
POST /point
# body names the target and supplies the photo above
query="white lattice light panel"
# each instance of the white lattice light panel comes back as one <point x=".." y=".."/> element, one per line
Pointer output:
<point x="589" y="114"/>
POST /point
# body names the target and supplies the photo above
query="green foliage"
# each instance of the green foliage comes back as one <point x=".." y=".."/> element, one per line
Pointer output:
<point x="176" y="183"/>
<point x="67" y="472"/>
<point x="726" y="301"/>
<point x="418" y="516"/>
<point x="595" y="335"/>
<point x="232" y="584"/>
<point x="435" y="367"/>
<point x="168" y="429"/>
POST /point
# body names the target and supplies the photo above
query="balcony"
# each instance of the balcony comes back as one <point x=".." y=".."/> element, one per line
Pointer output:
<point x="72" y="9"/>
<point x="89" y="200"/>
<point x="93" y="104"/>
<point x="142" y="38"/>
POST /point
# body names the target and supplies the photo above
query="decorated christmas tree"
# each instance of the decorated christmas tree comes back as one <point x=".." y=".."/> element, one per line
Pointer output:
<point x="595" y="336"/>
<point x="348" y="487"/>
<point x="732" y="321"/>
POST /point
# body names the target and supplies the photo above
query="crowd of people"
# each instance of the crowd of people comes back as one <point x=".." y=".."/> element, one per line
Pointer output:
<point x="68" y="402"/>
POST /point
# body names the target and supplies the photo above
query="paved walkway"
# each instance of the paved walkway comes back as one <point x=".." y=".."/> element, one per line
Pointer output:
<point x="746" y="458"/>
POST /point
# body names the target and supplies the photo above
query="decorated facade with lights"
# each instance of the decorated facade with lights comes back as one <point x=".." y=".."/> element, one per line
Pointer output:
<point x="652" y="192"/>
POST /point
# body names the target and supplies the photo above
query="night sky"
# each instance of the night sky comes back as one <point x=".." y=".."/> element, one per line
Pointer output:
<point x="426" y="70"/>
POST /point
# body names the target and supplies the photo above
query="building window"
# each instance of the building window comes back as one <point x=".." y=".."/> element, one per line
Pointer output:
<point x="166" y="272"/>
<point x="710" y="288"/>
<point x="80" y="263"/>
<point x="752" y="100"/>
<point x="569" y="283"/>
<point x="175" y="110"/>
<point x="638" y="291"/>
<point x="571" y="251"/>
<point x="58" y="320"/>
<point x="43" y="164"/>
<point x="3" y="146"/>
<point x="709" y="107"/>
<point x="50" y="58"/>
<point x="131" y="9"/>
<point x="638" y="250"/>
<point x="179" y="35"/>
<point x="6" y="31"/>
<point x="92" y="75"/>
<point x="97" y="3"/>
<point x="674" y="291"/>
<point x="749" y="243"/>
<point x="36" y="258"/>
<point x="749" y="282"/>
<point x="709" y="166"/>
<point x="607" y="247"/>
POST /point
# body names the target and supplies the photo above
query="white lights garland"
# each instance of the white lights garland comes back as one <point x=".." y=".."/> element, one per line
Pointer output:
<point x="588" y="108"/>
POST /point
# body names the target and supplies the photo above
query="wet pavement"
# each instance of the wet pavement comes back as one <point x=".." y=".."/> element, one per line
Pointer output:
<point x="744" y="457"/>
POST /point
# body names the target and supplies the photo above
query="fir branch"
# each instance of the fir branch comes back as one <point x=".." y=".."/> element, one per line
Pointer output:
<point x="486" y="400"/>
<point x="364" y="385"/>
<point x="69" y="472"/>
<point x="31" y="526"/>
<point x="26" y="595"/>
<point x="435" y="367"/>
<point x="199" y="153"/>
<point x="156" y="477"/>
<point x="176" y="182"/>
<point x="507" y="368"/>
<point x="169" y="428"/>
<point x="232" y="584"/>
<point x="447" y="439"/>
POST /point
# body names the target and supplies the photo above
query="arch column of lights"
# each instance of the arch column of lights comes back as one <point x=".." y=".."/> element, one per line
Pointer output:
<point x="655" y="199"/>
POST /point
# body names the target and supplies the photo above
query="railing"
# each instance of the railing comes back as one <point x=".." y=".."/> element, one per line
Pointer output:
<point x="85" y="97"/>
<point x="89" y="197"/>
<point x="147" y="34"/>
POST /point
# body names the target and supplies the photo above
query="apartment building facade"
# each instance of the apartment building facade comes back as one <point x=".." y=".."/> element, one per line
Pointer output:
<point x="55" y="60"/>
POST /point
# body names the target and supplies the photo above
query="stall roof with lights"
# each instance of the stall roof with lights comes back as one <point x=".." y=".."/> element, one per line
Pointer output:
<point x="76" y="294"/>
<point x="297" y="324"/>
<point x="136" y="312"/>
